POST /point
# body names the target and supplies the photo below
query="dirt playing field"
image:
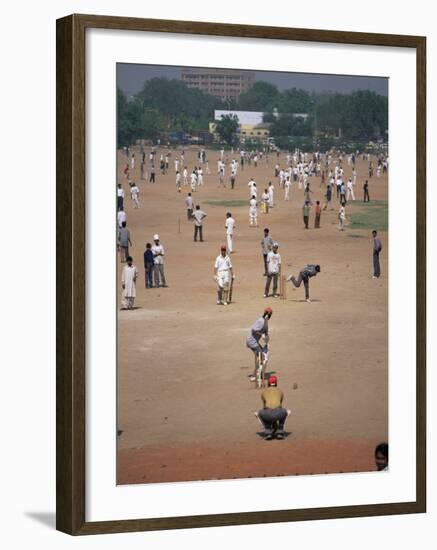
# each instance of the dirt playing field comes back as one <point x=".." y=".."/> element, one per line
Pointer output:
<point x="185" y="404"/>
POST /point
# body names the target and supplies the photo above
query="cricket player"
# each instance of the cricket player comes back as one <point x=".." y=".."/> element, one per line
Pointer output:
<point x="120" y="197"/>
<point x="193" y="181"/>
<point x="230" y="226"/>
<point x="341" y="217"/>
<point x="265" y="202"/>
<point x="350" y="190"/>
<point x="128" y="280"/>
<point x="190" y="206"/>
<point x="198" y="216"/>
<point x="121" y="217"/>
<point x="305" y="274"/>
<point x="178" y="181"/>
<point x="260" y="328"/>
<point x="377" y="247"/>
<point x="273" y="269"/>
<point x="271" y="189"/>
<point x="253" y="212"/>
<point x="233" y="174"/>
<point x="123" y="242"/>
<point x="158" y="256"/>
<point x="273" y="416"/>
<point x="135" y="193"/>
<point x="266" y="246"/>
<point x="287" y="185"/>
<point x="223" y="275"/>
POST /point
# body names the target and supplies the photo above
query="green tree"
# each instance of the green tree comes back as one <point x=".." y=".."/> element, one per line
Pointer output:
<point x="261" y="96"/>
<point x="360" y="115"/>
<point x="289" y="125"/>
<point x="227" y="128"/>
<point x="294" y="101"/>
<point x="183" y="108"/>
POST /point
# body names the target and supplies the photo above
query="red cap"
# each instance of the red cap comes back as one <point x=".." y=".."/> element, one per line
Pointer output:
<point x="268" y="310"/>
<point x="273" y="380"/>
<point x="223" y="247"/>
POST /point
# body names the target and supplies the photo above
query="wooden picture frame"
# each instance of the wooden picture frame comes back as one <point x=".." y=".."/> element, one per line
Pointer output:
<point x="70" y="173"/>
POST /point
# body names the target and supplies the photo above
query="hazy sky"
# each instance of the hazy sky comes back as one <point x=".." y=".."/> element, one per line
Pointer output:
<point x="131" y="77"/>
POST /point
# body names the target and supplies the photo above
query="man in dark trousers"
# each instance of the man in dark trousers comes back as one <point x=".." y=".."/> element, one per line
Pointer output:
<point x="124" y="241"/>
<point x="266" y="246"/>
<point x="377" y="247"/>
<point x="149" y="263"/>
<point x="306" y="213"/>
<point x="318" y="215"/>
<point x="272" y="416"/>
<point x="198" y="217"/>
<point x="366" y="191"/>
<point x="152" y="174"/>
<point x="305" y="274"/>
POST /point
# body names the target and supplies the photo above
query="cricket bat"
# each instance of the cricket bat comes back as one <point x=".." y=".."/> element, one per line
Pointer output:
<point x="230" y="290"/>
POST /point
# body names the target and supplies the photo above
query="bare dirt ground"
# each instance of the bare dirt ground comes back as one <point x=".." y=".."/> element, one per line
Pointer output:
<point x="185" y="405"/>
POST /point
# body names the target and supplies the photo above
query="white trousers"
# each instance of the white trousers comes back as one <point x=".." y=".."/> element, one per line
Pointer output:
<point x="223" y="279"/>
<point x="229" y="242"/>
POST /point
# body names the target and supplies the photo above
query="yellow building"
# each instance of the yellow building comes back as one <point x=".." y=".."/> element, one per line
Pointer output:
<point x="251" y="125"/>
<point x="255" y="131"/>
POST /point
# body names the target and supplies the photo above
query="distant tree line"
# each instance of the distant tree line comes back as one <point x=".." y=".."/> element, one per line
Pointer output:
<point x="168" y="105"/>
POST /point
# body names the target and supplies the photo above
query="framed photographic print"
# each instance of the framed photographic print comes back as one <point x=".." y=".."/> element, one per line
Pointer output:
<point x="237" y="339"/>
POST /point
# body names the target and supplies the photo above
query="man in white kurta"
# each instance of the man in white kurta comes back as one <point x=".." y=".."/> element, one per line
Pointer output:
<point x="128" y="280"/>
<point x="223" y="274"/>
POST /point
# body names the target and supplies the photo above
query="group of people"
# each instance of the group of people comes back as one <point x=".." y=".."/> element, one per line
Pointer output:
<point x="154" y="275"/>
<point x="300" y="167"/>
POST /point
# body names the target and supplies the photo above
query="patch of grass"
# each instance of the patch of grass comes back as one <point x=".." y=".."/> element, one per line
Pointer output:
<point x="371" y="215"/>
<point x="234" y="203"/>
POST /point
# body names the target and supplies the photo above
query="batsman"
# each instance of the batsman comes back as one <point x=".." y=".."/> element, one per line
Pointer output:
<point x="223" y="275"/>
<point x="259" y="329"/>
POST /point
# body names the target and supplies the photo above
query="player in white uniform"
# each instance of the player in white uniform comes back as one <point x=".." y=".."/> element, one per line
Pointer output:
<point x="253" y="212"/>
<point x="287" y="185"/>
<point x="193" y="181"/>
<point x="350" y="190"/>
<point x="270" y="191"/>
<point x="222" y="275"/>
<point x="178" y="181"/>
<point x="230" y="226"/>
<point x="135" y="193"/>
